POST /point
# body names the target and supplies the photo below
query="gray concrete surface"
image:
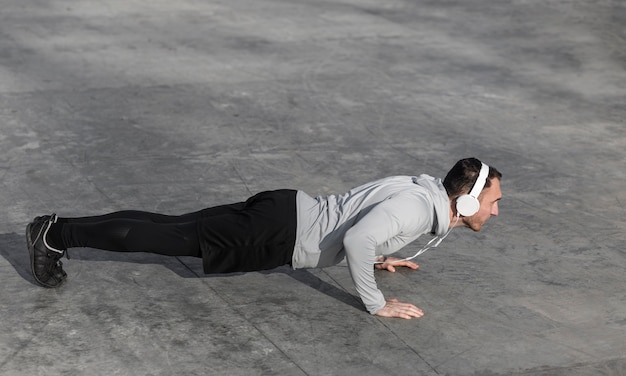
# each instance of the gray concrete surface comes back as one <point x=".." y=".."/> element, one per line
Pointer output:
<point x="171" y="106"/>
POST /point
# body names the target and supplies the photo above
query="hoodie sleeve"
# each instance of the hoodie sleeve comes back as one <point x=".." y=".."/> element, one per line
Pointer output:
<point x="385" y="223"/>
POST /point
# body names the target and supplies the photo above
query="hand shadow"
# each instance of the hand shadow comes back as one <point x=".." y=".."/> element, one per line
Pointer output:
<point x="13" y="248"/>
<point x="307" y="278"/>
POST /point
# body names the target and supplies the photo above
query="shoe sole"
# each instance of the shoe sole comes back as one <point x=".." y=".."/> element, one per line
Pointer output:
<point x="31" y="251"/>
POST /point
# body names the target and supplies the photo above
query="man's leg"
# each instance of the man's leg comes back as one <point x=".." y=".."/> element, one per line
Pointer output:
<point x="159" y="218"/>
<point x="48" y="237"/>
<point x="134" y="231"/>
<point x="131" y="235"/>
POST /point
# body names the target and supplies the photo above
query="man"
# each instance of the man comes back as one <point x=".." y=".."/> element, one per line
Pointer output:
<point x="288" y="227"/>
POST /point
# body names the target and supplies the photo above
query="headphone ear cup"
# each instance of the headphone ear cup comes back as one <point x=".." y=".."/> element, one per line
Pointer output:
<point x="467" y="205"/>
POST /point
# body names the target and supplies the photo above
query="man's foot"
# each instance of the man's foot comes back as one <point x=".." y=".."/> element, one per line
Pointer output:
<point x="44" y="260"/>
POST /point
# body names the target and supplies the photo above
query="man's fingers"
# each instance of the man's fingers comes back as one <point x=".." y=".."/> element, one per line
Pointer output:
<point x="392" y="264"/>
<point x="394" y="308"/>
<point x="411" y="265"/>
<point x="401" y="262"/>
<point x="409" y="311"/>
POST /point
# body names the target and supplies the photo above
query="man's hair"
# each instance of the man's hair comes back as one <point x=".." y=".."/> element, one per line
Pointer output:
<point x="461" y="178"/>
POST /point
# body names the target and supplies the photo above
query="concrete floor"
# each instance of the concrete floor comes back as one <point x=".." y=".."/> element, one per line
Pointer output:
<point x="172" y="106"/>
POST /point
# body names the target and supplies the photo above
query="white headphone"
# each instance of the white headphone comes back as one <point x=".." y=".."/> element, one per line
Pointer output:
<point x="468" y="205"/>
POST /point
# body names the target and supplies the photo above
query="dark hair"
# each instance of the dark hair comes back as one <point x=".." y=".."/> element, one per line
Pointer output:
<point x="461" y="178"/>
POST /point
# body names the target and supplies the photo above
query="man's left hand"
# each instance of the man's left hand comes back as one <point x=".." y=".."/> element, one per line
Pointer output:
<point x="390" y="264"/>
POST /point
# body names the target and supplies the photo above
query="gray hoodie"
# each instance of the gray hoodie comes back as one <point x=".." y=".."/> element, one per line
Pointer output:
<point x="371" y="220"/>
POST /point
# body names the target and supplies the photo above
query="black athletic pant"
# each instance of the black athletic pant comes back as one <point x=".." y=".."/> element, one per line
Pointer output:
<point x="134" y="231"/>
<point x="256" y="234"/>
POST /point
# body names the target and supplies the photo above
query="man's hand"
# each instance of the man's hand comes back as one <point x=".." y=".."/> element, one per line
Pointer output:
<point x="390" y="263"/>
<point x="393" y="308"/>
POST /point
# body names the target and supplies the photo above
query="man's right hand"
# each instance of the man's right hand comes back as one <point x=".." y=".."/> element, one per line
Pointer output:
<point x="394" y="308"/>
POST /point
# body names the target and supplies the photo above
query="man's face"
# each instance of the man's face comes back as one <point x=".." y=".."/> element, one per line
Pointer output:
<point x="488" y="199"/>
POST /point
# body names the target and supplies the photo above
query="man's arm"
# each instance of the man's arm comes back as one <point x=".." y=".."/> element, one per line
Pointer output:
<point x="383" y="222"/>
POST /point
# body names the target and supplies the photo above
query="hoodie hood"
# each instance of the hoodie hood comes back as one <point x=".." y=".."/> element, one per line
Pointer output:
<point x="440" y="200"/>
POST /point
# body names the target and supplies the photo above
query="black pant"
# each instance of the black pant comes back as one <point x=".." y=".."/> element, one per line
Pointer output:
<point x="257" y="234"/>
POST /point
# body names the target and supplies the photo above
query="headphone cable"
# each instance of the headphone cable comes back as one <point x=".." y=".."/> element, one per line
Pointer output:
<point x="428" y="245"/>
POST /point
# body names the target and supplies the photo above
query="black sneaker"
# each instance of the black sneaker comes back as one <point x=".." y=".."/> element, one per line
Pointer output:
<point x="44" y="260"/>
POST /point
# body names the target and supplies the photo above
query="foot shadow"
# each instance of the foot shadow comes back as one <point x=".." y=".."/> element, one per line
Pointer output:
<point x="13" y="249"/>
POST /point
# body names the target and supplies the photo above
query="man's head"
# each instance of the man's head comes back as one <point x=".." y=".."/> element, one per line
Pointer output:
<point x="460" y="180"/>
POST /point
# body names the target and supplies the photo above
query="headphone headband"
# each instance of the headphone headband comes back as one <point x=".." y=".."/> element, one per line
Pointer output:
<point x="481" y="180"/>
